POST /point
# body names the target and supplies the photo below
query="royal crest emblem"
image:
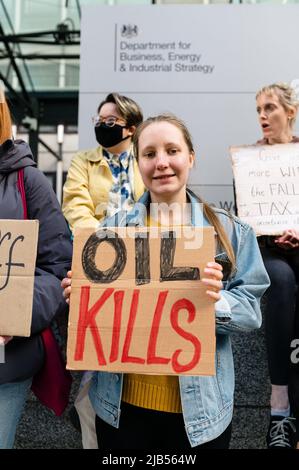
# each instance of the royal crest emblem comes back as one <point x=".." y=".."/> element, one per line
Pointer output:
<point x="129" y="30"/>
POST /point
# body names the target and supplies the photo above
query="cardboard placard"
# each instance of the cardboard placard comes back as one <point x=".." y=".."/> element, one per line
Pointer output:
<point x="267" y="186"/>
<point x="18" y="246"/>
<point x="138" y="304"/>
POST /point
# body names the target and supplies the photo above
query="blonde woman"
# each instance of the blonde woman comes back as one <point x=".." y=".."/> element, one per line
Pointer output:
<point x="136" y="411"/>
<point x="277" y="108"/>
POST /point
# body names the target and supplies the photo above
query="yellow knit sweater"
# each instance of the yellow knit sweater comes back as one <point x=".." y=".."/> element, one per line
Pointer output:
<point x="156" y="392"/>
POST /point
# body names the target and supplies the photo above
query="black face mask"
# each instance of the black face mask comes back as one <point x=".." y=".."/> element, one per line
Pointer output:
<point x="109" y="136"/>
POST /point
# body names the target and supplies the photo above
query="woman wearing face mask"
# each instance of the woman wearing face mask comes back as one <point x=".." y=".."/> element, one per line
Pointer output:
<point x="136" y="411"/>
<point x="105" y="179"/>
<point x="277" y="108"/>
<point x="99" y="183"/>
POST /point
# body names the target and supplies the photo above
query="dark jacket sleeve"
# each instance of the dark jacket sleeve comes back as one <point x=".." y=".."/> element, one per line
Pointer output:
<point x="54" y="250"/>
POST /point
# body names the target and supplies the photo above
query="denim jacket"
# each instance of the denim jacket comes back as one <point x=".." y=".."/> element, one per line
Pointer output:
<point x="207" y="401"/>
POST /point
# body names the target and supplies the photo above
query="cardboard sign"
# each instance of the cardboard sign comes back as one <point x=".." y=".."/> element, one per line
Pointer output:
<point x="138" y="304"/>
<point x="18" y="246"/>
<point x="267" y="186"/>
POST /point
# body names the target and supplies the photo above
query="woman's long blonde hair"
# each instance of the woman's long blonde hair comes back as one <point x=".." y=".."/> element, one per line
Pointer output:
<point x="209" y="213"/>
<point x="5" y="119"/>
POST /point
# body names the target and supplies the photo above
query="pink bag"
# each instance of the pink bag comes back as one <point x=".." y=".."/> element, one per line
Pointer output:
<point x="52" y="384"/>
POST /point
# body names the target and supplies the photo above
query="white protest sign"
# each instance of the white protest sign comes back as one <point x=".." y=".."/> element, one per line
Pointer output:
<point x="267" y="186"/>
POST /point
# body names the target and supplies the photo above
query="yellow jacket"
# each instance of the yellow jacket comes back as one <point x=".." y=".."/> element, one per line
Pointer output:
<point x="88" y="183"/>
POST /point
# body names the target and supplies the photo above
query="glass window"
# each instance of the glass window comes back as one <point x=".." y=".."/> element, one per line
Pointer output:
<point x="43" y="15"/>
<point x="37" y="15"/>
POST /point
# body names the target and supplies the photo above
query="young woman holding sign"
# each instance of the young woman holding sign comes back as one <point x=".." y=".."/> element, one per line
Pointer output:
<point x="177" y="412"/>
<point x="277" y="108"/>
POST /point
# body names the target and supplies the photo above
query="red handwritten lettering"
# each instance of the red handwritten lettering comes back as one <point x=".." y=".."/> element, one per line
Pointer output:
<point x="118" y="303"/>
<point x="130" y="327"/>
<point x="87" y="320"/>
<point x="177" y="306"/>
<point x="151" y="351"/>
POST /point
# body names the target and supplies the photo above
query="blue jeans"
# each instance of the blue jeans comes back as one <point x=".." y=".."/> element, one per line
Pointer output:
<point x="12" y="401"/>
